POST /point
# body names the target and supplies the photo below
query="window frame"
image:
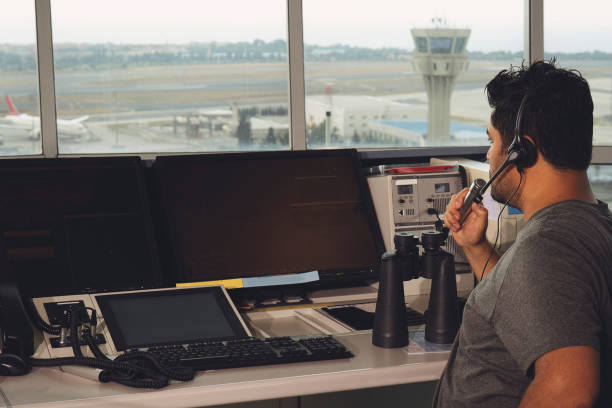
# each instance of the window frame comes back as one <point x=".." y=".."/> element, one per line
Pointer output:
<point x="533" y="50"/>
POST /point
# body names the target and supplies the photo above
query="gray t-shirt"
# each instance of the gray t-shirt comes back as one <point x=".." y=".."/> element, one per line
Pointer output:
<point x="551" y="289"/>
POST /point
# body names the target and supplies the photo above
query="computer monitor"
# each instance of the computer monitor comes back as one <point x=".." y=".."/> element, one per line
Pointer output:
<point x="250" y="215"/>
<point x="75" y="225"/>
<point x="148" y="318"/>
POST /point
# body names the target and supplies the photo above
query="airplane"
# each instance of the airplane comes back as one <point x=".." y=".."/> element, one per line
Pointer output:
<point x="72" y="128"/>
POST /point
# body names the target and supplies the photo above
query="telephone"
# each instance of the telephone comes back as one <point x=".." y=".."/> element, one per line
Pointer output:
<point x="16" y="334"/>
<point x="17" y="345"/>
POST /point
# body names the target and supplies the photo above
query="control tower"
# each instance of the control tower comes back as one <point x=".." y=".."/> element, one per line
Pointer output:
<point x="439" y="56"/>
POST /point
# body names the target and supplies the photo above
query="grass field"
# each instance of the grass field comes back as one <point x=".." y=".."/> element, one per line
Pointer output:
<point x="89" y="92"/>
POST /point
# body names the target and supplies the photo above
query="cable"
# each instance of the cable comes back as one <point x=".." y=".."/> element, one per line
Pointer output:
<point x="38" y="321"/>
<point x="134" y="369"/>
<point x="90" y="340"/>
<point x="74" y="319"/>
<point x="155" y="380"/>
<point x="498" y="220"/>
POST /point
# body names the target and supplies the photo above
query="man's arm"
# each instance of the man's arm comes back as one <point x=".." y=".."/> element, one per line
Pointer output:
<point x="566" y="377"/>
<point x="471" y="235"/>
<point x="478" y="255"/>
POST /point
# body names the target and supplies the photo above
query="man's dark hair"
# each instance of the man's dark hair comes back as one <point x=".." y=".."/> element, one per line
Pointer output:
<point x="557" y="115"/>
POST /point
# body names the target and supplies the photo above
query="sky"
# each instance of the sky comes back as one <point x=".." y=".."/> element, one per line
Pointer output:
<point x="494" y="25"/>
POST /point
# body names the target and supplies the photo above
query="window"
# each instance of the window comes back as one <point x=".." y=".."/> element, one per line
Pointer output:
<point x="138" y="77"/>
<point x="382" y="54"/>
<point x="579" y="37"/>
<point x="460" y="43"/>
<point x="440" y="45"/>
<point x="600" y="177"/>
<point x="421" y="43"/>
<point x="186" y="75"/>
<point x="20" y="112"/>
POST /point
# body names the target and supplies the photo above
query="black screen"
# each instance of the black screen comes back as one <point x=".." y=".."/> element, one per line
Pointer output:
<point x="173" y="316"/>
<point x="404" y="189"/>
<point x="258" y="214"/>
<point x="77" y="225"/>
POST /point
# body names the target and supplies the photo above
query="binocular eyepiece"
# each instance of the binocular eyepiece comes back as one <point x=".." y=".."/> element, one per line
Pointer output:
<point x="405" y="242"/>
<point x="433" y="240"/>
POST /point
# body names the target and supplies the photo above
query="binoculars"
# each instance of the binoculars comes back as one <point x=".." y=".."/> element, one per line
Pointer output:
<point x="404" y="263"/>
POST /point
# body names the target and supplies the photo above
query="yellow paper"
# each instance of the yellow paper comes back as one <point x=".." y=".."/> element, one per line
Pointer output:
<point x="227" y="283"/>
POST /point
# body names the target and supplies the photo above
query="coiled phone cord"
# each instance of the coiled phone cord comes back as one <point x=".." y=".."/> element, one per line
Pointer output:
<point x="182" y="374"/>
<point x="38" y="322"/>
<point x="134" y="369"/>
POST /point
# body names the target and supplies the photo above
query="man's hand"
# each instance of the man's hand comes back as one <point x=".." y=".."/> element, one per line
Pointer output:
<point x="471" y="235"/>
<point x="472" y="231"/>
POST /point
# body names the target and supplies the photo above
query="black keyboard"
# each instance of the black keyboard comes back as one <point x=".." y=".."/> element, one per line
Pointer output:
<point x="250" y="352"/>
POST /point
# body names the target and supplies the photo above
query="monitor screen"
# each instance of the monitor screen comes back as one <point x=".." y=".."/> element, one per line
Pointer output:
<point x="77" y="225"/>
<point x="149" y="318"/>
<point x="259" y="214"/>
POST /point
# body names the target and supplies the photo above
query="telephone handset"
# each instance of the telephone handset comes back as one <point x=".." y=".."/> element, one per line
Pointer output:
<point x="16" y="334"/>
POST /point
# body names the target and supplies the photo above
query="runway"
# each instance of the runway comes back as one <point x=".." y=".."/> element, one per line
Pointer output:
<point x="136" y="109"/>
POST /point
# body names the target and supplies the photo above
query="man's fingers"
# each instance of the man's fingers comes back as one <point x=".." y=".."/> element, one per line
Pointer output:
<point x="479" y="209"/>
<point x="452" y="216"/>
<point x="459" y="197"/>
<point x="453" y="226"/>
<point x="473" y="216"/>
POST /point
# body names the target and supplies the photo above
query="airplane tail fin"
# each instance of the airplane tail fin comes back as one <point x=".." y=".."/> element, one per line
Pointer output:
<point x="12" y="109"/>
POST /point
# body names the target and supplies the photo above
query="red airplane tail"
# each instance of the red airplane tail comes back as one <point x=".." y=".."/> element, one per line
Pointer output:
<point x="12" y="109"/>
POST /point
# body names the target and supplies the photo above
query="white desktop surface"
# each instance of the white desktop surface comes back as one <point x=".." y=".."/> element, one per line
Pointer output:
<point x="371" y="367"/>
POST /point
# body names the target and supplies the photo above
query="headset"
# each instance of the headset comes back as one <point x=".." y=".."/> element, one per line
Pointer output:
<point x="521" y="152"/>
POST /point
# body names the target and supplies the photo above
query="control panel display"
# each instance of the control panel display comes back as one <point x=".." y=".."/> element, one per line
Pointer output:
<point x="417" y="198"/>
<point x="404" y="189"/>
<point x="442" y="188"/>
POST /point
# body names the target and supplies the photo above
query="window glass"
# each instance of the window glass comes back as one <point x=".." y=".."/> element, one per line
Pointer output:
<point x="600" y="177"/>
<point x="421" y="43"/>
<point x="579" y="38"/>
<point x="186" y="75"/>
<point x="20" y="111"/>
<point x="365" y="58"/>
<point x="460" y="43"/>
<point x="440" y="45"/>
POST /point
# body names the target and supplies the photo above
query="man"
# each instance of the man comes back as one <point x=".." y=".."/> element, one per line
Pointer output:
<point x="537" y="329"/>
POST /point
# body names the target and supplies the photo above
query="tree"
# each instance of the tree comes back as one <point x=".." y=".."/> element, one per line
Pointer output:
<point x="334" y="137"/>
<point x="243" y="133"/>
<point x="270" y="139"/>
<point x="316" y="136"/>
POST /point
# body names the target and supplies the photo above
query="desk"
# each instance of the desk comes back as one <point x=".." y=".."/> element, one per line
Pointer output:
<point x="371" y="367"/>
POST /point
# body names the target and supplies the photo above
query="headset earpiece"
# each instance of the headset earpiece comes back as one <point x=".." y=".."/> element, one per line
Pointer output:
<point x="521" y="152"/>
<point x="524" y="153"/>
